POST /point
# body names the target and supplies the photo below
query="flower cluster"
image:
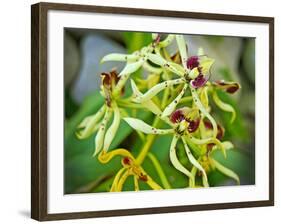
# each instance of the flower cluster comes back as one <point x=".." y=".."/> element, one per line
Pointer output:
<point x="176" y="91"/>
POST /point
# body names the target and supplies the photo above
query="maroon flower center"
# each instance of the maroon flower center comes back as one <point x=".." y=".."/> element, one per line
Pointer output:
<point x="193" y="125"/>
<point x="192" y="62"/>
<point x="199" y="81"/>
<point x="177" y="116"/>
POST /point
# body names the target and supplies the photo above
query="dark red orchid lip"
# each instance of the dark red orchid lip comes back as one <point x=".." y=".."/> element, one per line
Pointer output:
<point x="220" y="133"/>
<point x="192" y="62"/>
<point x="177" y="116"/>
<point x="193" y="125"/>
<point x="199" y="81"/>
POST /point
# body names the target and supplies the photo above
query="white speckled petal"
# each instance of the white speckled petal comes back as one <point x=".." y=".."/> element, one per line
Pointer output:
<point x="145" y="128"/>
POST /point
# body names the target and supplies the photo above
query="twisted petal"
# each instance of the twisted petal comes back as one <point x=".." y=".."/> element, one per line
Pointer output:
<point x="172" y="106"/>
<point x="208" y="141"/>
<point x="204" y="97"/>
<point x="147" y="104"/>
<point x="158" y="88"/>
<point x="182" y="48"/>
<point x="226" y="171"/>
<point x="158" y="60"/>
<point x="110" y="134"/>
<point x="224" y="106"/>
<point x="167" y="41"/>
<point x="176" y="163"/>
<point x="120" y="57"/>
<point x="88" y="125"/>
<point x="100" y="135"/>
<point x="145" y="128"/>
<point x="195" y="163"/>
<point x="203" y="110"/>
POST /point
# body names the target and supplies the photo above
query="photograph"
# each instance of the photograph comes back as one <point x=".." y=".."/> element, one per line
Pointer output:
<point x="157" y="111"/>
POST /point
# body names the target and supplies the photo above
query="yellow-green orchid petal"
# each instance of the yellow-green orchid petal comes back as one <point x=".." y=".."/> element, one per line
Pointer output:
<point x="111" y="132"/>
<point x="88" y="126"/>
<point x="158" y="88"/>
<point x="226" y="171"/>
<point x="198" y="103"/>
<point x="176" y="163"/>
<point x="224" y="106"/>
<point x="172" y="106"/>
<point x="182" y="49"/>
<point x="145" y="128"/>
<point x="100" y="135"/>
<point x="120" y="57"/>
<point x="194" y="162"/>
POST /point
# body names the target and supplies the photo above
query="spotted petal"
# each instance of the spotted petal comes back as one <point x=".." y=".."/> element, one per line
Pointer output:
<point x="131" y="68"/>
<point x="147" y="104"/>
<point x="100" y="135"/>
<point x="172" y="106"/>
<point x="203" y="110"/>
<point x="158" y="60"/>
<point x="158" y="88"/>
<point x="195" y="163"/>
<point x="145" y="128"/>
<point x="120" y="57"/>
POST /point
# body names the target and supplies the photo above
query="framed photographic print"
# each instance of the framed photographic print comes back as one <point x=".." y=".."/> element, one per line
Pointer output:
<point x="139" y="111"/>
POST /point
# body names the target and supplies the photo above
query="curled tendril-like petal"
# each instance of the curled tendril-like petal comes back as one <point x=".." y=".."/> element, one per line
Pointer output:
<point x="176" y="163"/>
<point x="204" y="111"/>
<point x="208" y="141"/>
<point x="100" y="135"/>
<point x="224" y="106"/>
<point x="158" y="60"/>
<point x="182" y="49"/>
<point x="88" y="125"/>
<point x="112" y="129"/>
<point x="116" y="179"/>
<point x="167" y="41"/>
<point x="172" y="106"/>
<point x="204" y="97"/>
<point x="194" y="162"/>
<point x="158" y="88"/>
<point x="226" y="171"/>
<point x="120" y="57"/>
<point x="145" y="128"/>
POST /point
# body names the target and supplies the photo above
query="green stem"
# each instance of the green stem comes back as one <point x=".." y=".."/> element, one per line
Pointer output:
<point x="159" y="170"/>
